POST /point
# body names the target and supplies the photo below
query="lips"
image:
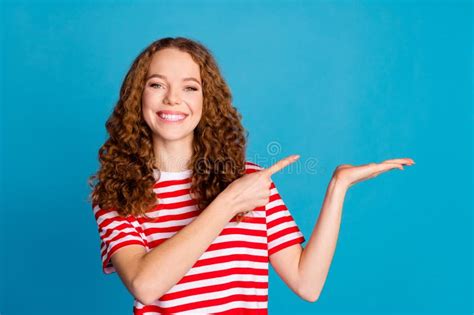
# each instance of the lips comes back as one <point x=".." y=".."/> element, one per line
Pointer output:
<point x="171" y="116"/>
<point x="171" y="112"/>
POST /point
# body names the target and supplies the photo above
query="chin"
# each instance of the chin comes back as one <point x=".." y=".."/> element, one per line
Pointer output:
<point x="172" y="137"/>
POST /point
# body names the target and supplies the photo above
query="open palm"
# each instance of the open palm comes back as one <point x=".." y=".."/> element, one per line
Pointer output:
<point x="350" y="174"/>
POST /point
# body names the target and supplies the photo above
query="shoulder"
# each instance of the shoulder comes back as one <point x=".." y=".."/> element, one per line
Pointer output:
<point x="251" y="167"/>
<point x="110" y="216"/>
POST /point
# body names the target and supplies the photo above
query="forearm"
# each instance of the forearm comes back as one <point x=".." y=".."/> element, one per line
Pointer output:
<point x="317" y="255"/>
<point x="166" y="264"/>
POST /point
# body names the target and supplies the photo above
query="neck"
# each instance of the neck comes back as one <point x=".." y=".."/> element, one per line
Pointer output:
<point x="173" y="156"/>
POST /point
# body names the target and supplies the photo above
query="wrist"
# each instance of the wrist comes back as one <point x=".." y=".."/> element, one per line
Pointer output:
<point x="339" y="184"/>
<point x="227" y="200"/>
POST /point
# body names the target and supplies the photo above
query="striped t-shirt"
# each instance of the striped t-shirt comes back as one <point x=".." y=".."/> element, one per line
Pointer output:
<point x="231" y="276"/>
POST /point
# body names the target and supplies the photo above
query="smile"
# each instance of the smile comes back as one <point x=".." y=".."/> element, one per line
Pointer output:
<point x="171" y="117"/>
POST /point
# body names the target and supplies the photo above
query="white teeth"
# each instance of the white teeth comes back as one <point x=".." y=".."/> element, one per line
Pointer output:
<point x="171" y="117"/>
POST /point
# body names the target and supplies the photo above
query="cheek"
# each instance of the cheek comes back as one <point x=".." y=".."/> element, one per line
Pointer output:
<point x="150" y="101"/>
<point x="145" y="99"/>
<point x="196" y="104"/>
<point x="197" y="109"/>
<point x="148" y="110"/>
<point x="147" y="116"/>
<point x="150" y="96"/>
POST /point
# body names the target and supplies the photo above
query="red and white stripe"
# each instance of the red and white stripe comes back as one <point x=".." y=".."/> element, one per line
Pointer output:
<point x="231" y="276"/>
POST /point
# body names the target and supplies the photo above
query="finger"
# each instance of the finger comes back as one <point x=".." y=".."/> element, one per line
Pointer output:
<point x="369" y="169"/>
<point x="280" y="165"/>
<point x="377" y="173"/>
<point x="402" y="161"/>
<point x="383" y="167"/>
<point x="372" y="170"/>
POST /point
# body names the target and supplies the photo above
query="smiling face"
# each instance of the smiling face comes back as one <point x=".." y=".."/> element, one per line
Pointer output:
<point x="172" y="97"/>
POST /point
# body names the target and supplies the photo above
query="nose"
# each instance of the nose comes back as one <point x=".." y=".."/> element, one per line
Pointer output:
<point x="172" y="98"/>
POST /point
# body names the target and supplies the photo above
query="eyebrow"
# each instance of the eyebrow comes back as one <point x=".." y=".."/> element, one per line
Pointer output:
<point x="164" y="77"/>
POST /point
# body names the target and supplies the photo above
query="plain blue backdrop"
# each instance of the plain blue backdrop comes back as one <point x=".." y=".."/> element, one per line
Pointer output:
<point x="336" y="82"/>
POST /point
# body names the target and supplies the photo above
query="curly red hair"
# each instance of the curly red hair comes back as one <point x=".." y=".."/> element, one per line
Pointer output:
<point x="125" y="178"/>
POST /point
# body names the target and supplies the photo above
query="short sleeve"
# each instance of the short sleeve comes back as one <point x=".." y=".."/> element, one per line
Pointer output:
<point x="115" y="232"/>
<point x="282" y="230"/>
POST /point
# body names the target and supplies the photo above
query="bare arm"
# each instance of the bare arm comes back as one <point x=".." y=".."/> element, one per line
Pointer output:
<point x="150" y="275"/>
<point x="317" y="256"/>
<point x="161" y="268"/>
<point x="318" y="253"/>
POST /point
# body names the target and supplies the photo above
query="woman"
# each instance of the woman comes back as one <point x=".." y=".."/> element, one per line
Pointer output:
<point x="188" y="224"/>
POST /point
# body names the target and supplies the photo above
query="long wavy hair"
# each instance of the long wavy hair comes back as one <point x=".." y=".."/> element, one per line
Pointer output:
<point x="125" y="179"/>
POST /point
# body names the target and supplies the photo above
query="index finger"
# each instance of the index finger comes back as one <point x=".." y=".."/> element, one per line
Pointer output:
<point x="280" y="164"/>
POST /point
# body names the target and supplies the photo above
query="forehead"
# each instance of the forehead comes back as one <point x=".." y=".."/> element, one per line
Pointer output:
<point x="172" y="62"/>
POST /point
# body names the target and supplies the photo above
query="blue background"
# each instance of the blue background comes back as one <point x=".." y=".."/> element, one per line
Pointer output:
<point x="336" y="82"/>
